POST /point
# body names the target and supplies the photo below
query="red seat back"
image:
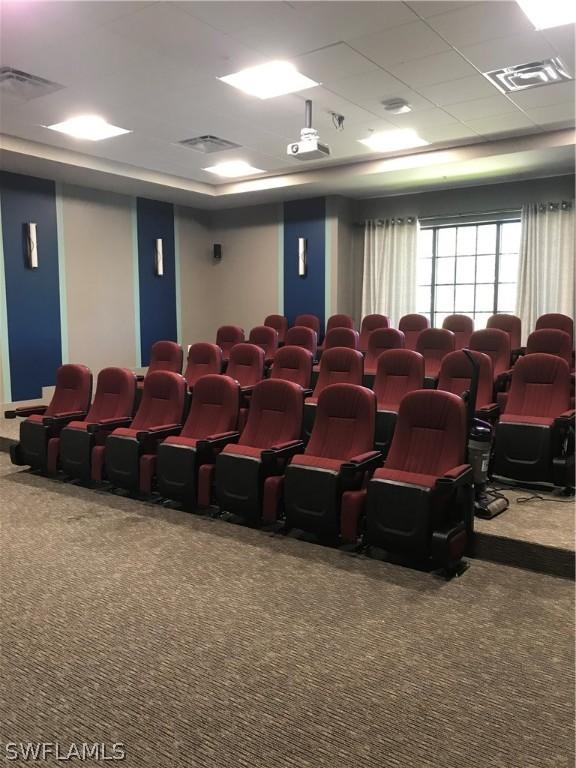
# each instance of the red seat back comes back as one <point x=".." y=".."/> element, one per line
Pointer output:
<point x="72" y="392"/>
<point x="203" y="359"/>
<point x="246" y="364"/>
<point x="227" y="336"/>
<point x="214" y="407"/>
<point x="552" y="342"/>
<point x="309" y="321"/>
<point x="166" y="356"/>
<point x="301" y="336"/>
<point x="339" y="366"/>
<point x="275" y="414"/>
<point x="280" y="325"/>
<point x="496" y="344"/>
<point x="557" y="321"/>
<point x="540" y="386"/>
<point x="370" y="323"/>
<point x="162" y="401"/>
<point x="265" y="337"/>
<point x="456" y="376"/>
<point x="430" y="435"/>
<point x="115" y="393"/>
<point x="339" y="321"/>
<point x="511" y="325"/>
<point x="293" y="364"/>
<point x="380" y="340"/>
<point x="344" y="422"/>
<point x="462" y="327"/>
<point x="434" y="344"/>
<point x="411" y="326"/>
<point x="341" y="337"/>
<point x="399" y="371"/>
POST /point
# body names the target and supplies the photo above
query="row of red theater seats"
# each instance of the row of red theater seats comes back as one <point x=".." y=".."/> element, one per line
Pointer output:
<point x="156" y="450"/>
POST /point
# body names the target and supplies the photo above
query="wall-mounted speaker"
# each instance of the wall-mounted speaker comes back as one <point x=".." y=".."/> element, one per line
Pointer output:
<point x="31" y="245"/>
<point x="159" y="258"/>
<point x="217" y="251"/>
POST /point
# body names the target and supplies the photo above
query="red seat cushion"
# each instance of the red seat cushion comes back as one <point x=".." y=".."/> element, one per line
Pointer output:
<point x="243" y="450"/>
<point x="409" y="478"/>
<point x="317" y="462"/>
<point x="125" y="432"/>
<point x="187" y="442"/>
<point x="510" y="418"/>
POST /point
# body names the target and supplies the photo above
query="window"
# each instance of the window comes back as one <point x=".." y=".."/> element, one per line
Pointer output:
<point x="470" y="269"/>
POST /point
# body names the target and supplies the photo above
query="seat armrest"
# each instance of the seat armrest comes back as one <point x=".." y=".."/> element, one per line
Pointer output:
<point x="362" y="463"/>
<point x="461" y="475"/>
<point x="503" y="380"/>
<point x="491" y="411"/>
<point x="31" y="410"/>
<point x="516" y="353"/>
<point x="125" y="421"/>
<point x="59" y="419"/>
<point x="159" y="432"/>
<point x="281" y="452"/>
<point x="565" y="419"/>
<point x="215" y="443"/>
<point x="247" y="390"/>
<point x="307" y="392"/>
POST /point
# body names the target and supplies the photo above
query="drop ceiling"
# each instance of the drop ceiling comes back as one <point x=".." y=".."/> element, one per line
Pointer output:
<point x="153" y="68"/>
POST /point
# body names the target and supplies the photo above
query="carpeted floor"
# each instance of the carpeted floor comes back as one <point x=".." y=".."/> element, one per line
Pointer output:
<point x="200" y="644"/>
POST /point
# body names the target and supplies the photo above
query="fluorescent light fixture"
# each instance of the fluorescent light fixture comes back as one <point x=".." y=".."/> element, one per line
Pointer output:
<point x="268" y="80"/>
<point x="389" y="141"/>
<point x="233" y="169"/>
<point x="549" y="13"/>
<point x="89" y="127"/>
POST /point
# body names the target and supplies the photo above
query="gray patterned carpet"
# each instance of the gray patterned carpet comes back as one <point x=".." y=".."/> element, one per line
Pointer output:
<point x="200" y="644"/>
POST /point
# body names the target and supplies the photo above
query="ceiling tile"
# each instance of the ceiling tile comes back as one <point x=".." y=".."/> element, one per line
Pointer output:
<point x="410" y="41"/>
<point x="370" y="85"/>
<point x="231" y="17"/>
<point x="433" y="69"/>
<point x="546" y="94"/>
<point x="429" y="8"/>
<point x="447" y="133"/>
<point x="334" y="62"/>
<point x="478" y="22"/>
<point x="464" y="89"/>
<point x="324" y="102"/>
<point x="508" y="51"/>
<point x="501" y="124"/>
<point x="479" y="108"/>
<point x="426" y="118"/>
<point x="563" y="40"/>
<point x="552" y="114"/>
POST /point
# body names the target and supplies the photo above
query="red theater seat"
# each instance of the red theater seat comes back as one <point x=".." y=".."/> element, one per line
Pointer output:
<point x="550" y="341"/>
<point x="341" y="337"/>
<point x="164" y="356"/>
<point x="456" y="374"/>
<point x="210" y="426"/>
<point x="558" y="322"/>
<point x="269" y="440"/>
<point x="434" y="344"/>
<point x="338" y="322"/>
<point x="339" y="365"/>
<point x="511" y="325"/>
<point x="535" y="437"/>
<point x="338" y="456"/>
<point x="420" y="504"/>
<point x="266" y="338"/>
<point x="380" y="341"/>
<point x="246" y="365"/>
<point x="227" y="336"/>
<point x="370" y="323"/>
<point x="309" y="321"/>
<point x="203" y="359"/>
<point x="462" y="327"/>
<point x="300" y="336"/>
<point x="399" y="372"/>
<point x="70" y="402"/>
<point x="79" y="442"/>
<point x="496" y="344"/>
<point x="411" y="326"/>
<point x="127" y="451"/>
<point x="293" y="364"/>
<point x="280" y="325"/>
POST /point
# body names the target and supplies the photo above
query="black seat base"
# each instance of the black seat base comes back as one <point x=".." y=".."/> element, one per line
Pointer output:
<point x="76" y="453"/>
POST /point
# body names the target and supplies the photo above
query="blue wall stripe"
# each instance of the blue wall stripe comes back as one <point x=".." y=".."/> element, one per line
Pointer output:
<point x="64" y="345"/>
<point x="157" y="294"/>
<point x="136" y="282"/>
<point x="280" y="258"/>
<point x="177" y="276"/>
<point x="305" y="218"/>
<point x="32" y="295"/>
<point x="4" y="346"/>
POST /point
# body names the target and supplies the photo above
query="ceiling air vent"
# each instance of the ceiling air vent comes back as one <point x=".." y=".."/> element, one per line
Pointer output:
<point x="25" y="86"/>
<point x="208" y="144"/>
<point x="533" y="75"/>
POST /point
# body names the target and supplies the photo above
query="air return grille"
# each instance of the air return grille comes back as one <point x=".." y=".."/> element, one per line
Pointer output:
<point x="25" y="86"/>
<point x="532" y="75"/>
<point x="208" y="144"/>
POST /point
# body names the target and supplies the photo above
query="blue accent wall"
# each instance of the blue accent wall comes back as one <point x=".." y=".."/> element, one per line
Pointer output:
<point x="305" y="295"/>
<point x="32" y="295"/>
<point x="157" y="294"/>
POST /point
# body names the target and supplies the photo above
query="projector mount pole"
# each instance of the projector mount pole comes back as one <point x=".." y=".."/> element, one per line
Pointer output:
<point x="308" y="114"/>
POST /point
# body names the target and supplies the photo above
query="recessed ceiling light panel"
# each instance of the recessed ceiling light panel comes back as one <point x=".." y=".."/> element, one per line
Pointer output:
<point x="233" y="169"/>
<point x="532" y="75"/>
<point x="552" y="13"/>
<point x="88" y="127"/>
<point x="265" y="81"/>
<point x="391" y="141"/>
<point x="208" y="144"/>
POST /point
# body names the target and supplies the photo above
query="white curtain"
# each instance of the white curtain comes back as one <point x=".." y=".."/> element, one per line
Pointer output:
<point x="546" y="269"/>
<point x="389" y="276"/>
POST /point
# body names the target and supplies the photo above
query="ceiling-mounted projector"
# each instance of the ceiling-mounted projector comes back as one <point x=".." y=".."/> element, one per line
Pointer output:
<point x="309" y="147"/>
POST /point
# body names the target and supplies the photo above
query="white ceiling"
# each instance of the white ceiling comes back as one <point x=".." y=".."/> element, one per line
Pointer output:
<point x="152" y="67"/>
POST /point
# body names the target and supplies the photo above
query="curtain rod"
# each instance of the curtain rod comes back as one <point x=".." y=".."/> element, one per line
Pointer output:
<point x="463" y="214"/>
